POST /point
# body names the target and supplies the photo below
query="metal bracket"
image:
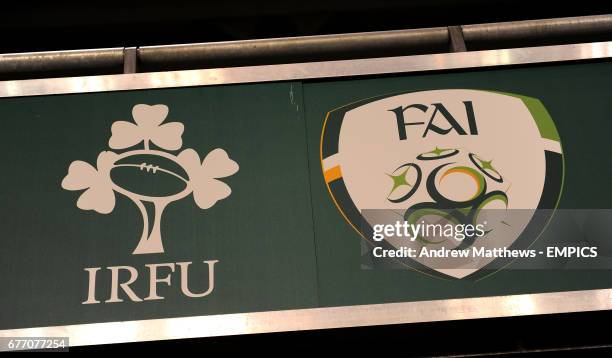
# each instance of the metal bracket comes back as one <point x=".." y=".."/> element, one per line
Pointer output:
<point x="457" y="42"/>
<point x="130" y="59"/>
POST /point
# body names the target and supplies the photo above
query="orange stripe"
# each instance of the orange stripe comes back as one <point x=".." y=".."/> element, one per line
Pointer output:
<point x="329" y="179"/>
<point x="332" y="174"/>
<point x="464" y="171"/>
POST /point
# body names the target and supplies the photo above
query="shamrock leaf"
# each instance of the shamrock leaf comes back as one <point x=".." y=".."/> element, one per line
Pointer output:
<point x="98" y="195"/>
<point x="148" y="127"/>
<point x="203" y="177"/>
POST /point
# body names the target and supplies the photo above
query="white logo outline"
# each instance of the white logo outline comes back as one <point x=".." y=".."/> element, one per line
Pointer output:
<point x="202" y="176"/>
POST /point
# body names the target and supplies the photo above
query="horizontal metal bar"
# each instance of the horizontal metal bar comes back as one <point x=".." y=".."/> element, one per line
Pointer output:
<point x="307" y="49"/>
<point x="322" y="318"/>
<point x="297" y="49"/>
<point x="550" y="29"/>
<point x="311" y="70"/>
<point x="61" y="60"/>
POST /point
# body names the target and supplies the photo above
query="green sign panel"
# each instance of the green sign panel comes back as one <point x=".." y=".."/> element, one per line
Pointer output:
<point x="196" y="201"/>
<point x="76" y="208"/>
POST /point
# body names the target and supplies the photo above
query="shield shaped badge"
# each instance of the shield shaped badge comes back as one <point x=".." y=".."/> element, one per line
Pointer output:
<point x="455" y="155"/>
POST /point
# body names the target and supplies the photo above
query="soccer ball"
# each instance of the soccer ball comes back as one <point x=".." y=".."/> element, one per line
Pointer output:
<point x="450" y="185"/>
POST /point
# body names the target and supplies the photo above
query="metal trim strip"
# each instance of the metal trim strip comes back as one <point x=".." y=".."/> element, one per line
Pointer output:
<point x="323" y="318"/>
<point x="309" y="70"/>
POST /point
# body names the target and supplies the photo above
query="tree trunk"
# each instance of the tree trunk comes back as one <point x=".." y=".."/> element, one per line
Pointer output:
<point x="150" y="243"/>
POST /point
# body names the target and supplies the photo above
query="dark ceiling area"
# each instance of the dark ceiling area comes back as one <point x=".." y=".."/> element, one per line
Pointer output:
<point x="28" y="26"/>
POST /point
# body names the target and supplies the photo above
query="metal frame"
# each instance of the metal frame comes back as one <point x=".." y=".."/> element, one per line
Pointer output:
<point x="308" y="48"/>
<point x="323" y="318"/>
<point x="329" y="317"/>
<point x="308" y="70"/>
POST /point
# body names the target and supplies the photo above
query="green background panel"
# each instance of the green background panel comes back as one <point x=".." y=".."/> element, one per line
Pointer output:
<point x="281" y="242"/>
<point x="577" y="97"/>
<point x="262" y="234"/>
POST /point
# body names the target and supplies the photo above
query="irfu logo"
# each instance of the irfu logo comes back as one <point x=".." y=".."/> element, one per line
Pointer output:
<point x="143" y="168"/>
<point x="134" y="172"/>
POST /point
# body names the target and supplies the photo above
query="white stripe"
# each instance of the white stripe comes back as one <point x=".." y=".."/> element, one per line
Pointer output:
<point x="331" y="162"/>
<point x="552" y="145"/>
<point x="322" y="318"/>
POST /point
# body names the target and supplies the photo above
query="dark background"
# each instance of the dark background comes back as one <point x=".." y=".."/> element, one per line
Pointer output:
<point x="40" y="26"/>
<point x="62" y="25"/>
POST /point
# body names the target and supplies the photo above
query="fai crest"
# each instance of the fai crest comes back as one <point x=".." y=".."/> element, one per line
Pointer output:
<point x="451" y="154"/>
